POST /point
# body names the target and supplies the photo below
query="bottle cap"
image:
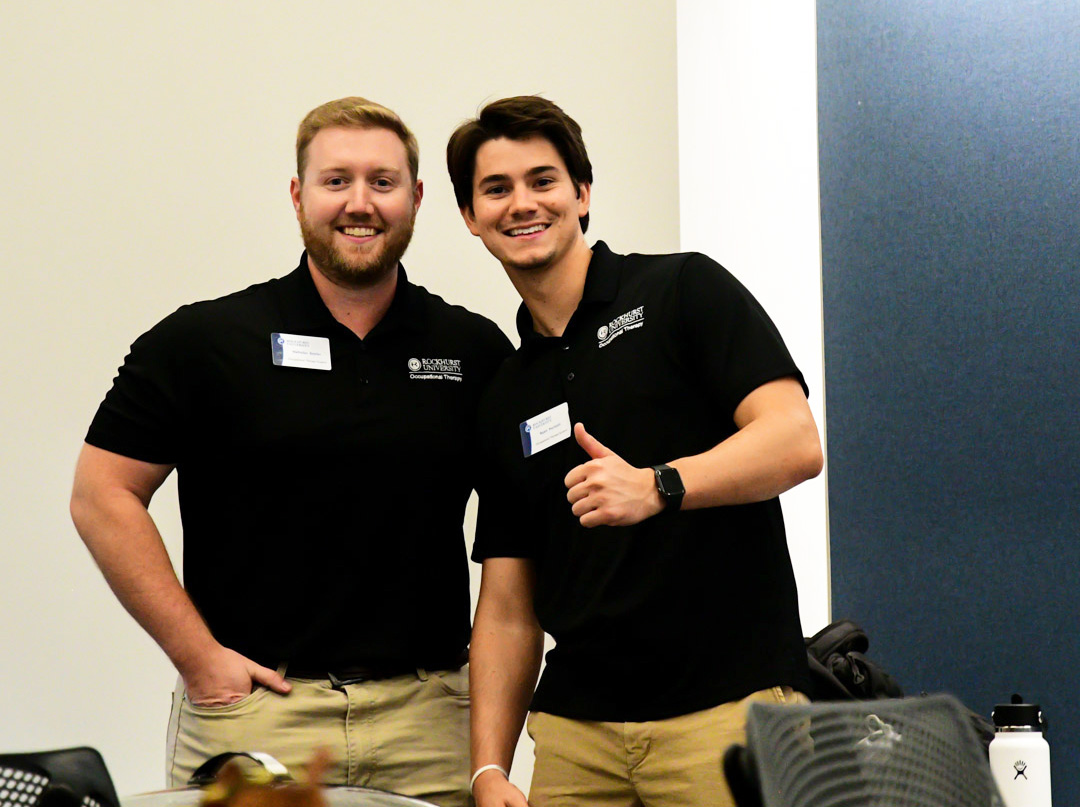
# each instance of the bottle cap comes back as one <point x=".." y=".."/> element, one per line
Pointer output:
<point x="1017" y="714"/>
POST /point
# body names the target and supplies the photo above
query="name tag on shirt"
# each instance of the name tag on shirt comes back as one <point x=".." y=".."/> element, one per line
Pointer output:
<point x="546" y="429"/>
<point x="309" y="352"/>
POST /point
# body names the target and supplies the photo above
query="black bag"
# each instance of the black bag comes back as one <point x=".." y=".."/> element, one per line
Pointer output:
<point x="839" y="668"/>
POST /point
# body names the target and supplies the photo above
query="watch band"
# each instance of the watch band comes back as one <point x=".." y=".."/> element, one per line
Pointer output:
<point x="670" y="486"/>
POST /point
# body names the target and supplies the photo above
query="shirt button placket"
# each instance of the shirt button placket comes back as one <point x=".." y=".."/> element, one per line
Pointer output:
<point x="363" y="368"/>
<point x="566" y="362"/>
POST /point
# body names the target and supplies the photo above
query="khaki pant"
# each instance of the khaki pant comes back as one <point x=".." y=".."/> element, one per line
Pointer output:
<point x="407" y="735"/>
<point x="663" y="763"/>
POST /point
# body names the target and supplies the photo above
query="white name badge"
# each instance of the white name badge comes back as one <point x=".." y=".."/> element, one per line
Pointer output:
<point x="309" y="352"/>
<point x="546" y="429"/>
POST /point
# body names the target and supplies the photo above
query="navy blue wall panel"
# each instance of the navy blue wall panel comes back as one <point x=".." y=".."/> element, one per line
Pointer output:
<point x="950" y="196"/>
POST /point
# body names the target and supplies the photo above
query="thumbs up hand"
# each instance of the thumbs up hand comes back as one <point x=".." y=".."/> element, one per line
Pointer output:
<point x="607" y="489"/>
<point x="593" y="447"/>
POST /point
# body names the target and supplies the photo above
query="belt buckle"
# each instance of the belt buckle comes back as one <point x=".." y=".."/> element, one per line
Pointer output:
<point x="338" y="683"/>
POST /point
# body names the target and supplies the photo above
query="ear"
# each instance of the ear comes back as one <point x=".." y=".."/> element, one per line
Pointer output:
<point x="470" y="220"/>
<point x="294" y="192"/>
<point x="418" y="194"/>
<point x="584" y="197"/>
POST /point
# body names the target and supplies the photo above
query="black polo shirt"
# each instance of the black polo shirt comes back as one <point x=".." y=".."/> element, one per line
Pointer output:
<point x="322" y="509"/>
<point x="683" y="611"/>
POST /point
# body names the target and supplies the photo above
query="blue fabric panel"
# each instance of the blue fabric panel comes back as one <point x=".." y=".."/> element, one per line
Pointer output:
<point x="950" y="198"/>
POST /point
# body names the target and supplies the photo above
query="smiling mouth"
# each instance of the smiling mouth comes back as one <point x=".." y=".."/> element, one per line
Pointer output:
<point x="532" y="228"/>
<point x="358" y="232"/>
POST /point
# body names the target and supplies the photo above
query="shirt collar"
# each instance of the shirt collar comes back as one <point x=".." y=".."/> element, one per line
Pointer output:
<point x="601" y="287"/>
<point x="305" y="310"/>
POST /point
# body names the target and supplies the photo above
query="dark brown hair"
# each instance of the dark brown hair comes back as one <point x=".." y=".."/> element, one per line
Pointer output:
<point x="517" y="118"/>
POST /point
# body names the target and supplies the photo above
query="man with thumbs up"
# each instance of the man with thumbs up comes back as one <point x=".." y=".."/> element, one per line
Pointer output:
<point x="633" y="451"/>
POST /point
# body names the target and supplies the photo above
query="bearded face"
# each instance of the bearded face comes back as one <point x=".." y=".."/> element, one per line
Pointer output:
<point x="356" y="205"/>
<point x="356" y="252"/>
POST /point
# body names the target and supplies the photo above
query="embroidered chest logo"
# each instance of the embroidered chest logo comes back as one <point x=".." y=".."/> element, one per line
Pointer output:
<point x="435" y="369"/>
<point x="634" y="318"/>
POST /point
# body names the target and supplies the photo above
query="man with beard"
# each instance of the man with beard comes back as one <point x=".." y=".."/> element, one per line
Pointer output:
<point x="321" y="428"/>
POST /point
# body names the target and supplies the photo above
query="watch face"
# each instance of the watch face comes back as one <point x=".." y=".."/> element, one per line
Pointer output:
<point x="670" y="482"/>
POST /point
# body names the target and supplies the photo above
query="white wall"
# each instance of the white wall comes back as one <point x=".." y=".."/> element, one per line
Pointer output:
<point x="749" y="198"/>
<point x="147" y="150"/>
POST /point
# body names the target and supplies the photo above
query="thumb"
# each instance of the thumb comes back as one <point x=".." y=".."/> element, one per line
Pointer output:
<point x="268" y="678"/>
<point x="593" y="447"/>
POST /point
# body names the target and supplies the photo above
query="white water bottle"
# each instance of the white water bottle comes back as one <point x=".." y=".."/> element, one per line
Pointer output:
<point x="1020" y="755"/>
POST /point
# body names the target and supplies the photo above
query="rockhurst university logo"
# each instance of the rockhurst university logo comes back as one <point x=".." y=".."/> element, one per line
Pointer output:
<point x="435" y="369"/>
<point x="634" y="318"/>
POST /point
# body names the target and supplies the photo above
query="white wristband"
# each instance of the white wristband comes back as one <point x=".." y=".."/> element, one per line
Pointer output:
<point x="482" y="769"/>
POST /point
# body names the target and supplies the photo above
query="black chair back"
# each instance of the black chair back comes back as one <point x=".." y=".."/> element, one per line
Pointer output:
<point x="897" y="752"/>
<point x="70" y="777"/>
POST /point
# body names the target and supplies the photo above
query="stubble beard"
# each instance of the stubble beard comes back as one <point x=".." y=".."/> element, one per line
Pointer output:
<point x="533" y="264"/>
<point x="352" y="268"/>
<point x="536" y="262"/>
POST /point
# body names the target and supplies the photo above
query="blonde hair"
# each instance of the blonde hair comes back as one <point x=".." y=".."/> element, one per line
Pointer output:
<point x="357" y="113"/>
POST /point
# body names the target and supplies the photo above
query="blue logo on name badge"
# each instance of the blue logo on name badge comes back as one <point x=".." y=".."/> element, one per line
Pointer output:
<point x="526" y="439"/>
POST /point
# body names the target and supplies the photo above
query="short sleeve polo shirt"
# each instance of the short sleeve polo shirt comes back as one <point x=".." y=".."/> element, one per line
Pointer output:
<point x="683" y="611"/>
<point x="322" y="508"/>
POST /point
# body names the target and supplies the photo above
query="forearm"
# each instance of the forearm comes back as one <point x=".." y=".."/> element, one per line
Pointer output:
<point x="109" y="507"/>
<point x="504" y="662"/>
<point x="126" y="545"/>
<point x="775" y="447"/>
<point x="504" y="657"/>
<point x="767" y="457"/>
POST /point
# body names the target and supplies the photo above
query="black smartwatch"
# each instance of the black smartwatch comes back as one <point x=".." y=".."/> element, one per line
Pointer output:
<point x="670" y="485"/>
